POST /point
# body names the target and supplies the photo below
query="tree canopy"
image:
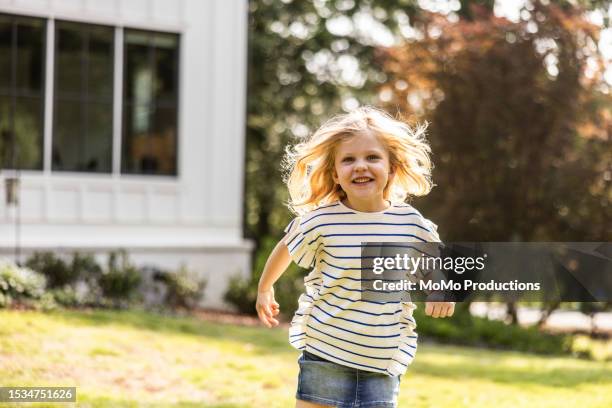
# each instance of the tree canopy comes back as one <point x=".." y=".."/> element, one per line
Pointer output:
<point x="537" y="130"/>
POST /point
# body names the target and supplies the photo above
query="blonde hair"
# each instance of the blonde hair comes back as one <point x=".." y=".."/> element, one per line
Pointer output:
<point x="309" y="165"/>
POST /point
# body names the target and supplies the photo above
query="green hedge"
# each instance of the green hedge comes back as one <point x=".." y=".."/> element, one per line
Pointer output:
<point x="242" y="293"/>
<point x="465" y="329"/>
<point x="77" y="280"/>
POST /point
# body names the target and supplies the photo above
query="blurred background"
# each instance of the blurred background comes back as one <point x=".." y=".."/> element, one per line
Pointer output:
<point x="140" y="155"/>
<point x="517" y="95"/>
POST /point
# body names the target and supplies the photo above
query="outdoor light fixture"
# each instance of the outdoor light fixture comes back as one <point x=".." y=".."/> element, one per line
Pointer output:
<point x="11" y="187"/>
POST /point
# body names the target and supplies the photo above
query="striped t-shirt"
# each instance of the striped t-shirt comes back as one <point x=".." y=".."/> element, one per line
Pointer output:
<point x="332" y="321"/>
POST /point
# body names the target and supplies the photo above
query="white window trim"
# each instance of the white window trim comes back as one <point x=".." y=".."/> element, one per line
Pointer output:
<point x="49" y="88"/>
<point x="117" y="102"/>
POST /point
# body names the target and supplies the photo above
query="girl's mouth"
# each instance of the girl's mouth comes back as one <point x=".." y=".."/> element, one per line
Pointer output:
<point x="362" y="180"/>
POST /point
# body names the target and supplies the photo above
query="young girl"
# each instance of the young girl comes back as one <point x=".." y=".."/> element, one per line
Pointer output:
<point x="348" y="184"/>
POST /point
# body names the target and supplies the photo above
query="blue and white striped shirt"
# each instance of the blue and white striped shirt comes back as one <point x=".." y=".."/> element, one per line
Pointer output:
<point x="332" y="321"/>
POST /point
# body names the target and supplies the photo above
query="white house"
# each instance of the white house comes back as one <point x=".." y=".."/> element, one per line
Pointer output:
<point x="126" y="121"/>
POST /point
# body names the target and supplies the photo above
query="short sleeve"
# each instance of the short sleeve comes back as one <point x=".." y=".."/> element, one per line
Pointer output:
<point x="300" y="243"/>
<point x="432" y="230"/>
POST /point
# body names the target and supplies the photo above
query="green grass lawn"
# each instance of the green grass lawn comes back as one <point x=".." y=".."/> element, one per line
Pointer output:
<point x="141" y="359"/>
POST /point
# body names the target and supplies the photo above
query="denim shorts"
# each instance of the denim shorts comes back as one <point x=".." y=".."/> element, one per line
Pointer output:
<point x="323" y="382"/>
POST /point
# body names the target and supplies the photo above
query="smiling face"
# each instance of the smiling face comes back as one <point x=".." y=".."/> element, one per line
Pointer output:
<point x="362" y="168"/>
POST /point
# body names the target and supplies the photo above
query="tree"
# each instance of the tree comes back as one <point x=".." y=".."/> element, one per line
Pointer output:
<point x="295" y="81"/>
<point x="520" y="123"/>
<point x="510" y="105"/>
<point x="297" y="51"/>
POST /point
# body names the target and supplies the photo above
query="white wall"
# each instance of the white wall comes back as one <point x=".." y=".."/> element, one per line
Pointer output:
<point x="194" y="217"/>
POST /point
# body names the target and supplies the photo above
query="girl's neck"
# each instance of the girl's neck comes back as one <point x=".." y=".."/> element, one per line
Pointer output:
<point x="367" y="205"/>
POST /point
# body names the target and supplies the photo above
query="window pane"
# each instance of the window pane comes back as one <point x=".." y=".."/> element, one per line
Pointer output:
<point x="99" y="146"/>
<point x="21" y="138"/>
<point x="139" y="74"/>
<point x="21" y="101"/>
<point x="163" y="139"/>
<point x="83" y="135"/>
<point x="29" y="55"/>
<point x="150" y="106"/>
<point x="6" y="141"/>
<point x="83" y="49"/>
<point x="67" y="140"/>
<point x="166" y="64"/>
<point x="101" y="62"/>
<point x="150" y="150"/>
<point x="68" y="68"/>
<point x="6" y="39"/>
<point x="136" y="157"/>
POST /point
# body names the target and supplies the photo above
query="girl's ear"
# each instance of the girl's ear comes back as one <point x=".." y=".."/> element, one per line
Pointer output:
<point x="335" y="176"/>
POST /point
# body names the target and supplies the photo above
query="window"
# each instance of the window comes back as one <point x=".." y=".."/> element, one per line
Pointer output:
<point x="150" y="103"/>
<point x="83" y="109"/>
<point x="21" y="92"/>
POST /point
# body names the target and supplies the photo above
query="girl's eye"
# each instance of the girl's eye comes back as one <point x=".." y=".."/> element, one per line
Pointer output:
<point x="373" y="157"/>
<point x="347" y="160"/>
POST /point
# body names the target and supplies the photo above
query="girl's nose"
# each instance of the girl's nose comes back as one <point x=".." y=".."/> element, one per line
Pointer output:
<point x="360" y="165"/>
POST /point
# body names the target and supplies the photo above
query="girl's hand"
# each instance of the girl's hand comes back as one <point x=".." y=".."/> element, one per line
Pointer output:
<point x="267" y="307"/>
<point x="439" y="309"/>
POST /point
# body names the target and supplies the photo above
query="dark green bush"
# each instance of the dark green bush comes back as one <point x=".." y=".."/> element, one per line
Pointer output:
<point x="71" y="283"/>
<point x="81" y="281"/>
<point x="242" y="292"/>
<point x="183" y="288"/>
<point x="120" y="281"/>
<point x="464" y="329"/>
<point x="85" y="267"/>
<point x="66" y="296"/>
<point x="57" y="271"/>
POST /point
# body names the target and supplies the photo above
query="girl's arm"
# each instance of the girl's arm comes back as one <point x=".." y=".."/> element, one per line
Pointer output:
<point x="277" y="263"/>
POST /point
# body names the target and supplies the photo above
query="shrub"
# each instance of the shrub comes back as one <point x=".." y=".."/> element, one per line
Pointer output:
<point x="66" y="296"/>
<point x="183" y="288"/>
<point x="57" y="271"/>
<point x="85" y="267"/>
<point x="70" y="283"/>
<point x="465" y="329"/>
<point x="19" y="285"/>
<point x="242" y="292"/>
<point x="121" y="280"/>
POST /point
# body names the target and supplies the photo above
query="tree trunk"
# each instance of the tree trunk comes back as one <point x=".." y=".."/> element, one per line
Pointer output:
<point x="546" y="312"/>
<point x="511" y="312"/>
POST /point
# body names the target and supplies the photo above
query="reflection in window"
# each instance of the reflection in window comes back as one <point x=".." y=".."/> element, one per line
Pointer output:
<point x="21" y="92"/>
<point x="83" y="110"/>
<point x="150" y="103"/>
